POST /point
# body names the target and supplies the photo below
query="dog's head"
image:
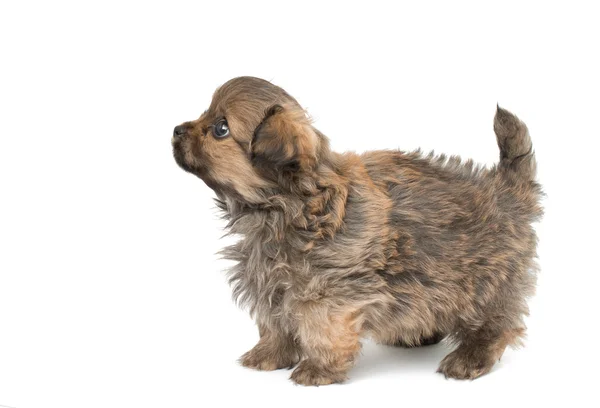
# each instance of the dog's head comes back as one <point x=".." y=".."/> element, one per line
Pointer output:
<point x="253" y="139"/>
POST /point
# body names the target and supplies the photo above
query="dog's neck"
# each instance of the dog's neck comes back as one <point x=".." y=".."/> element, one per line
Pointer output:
<point x="313" y="208"/>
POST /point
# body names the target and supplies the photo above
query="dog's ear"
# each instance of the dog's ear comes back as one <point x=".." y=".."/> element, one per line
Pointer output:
<point x="285" y="141"/>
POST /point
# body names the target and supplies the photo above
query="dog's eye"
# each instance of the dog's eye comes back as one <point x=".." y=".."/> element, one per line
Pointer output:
<point x="220" y="129"/>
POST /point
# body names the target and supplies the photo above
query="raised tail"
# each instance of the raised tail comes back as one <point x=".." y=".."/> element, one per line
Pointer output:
<point x="516" y="149"/>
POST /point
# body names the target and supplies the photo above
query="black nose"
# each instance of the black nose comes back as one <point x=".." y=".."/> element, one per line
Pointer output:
<point x="179" y="130"/>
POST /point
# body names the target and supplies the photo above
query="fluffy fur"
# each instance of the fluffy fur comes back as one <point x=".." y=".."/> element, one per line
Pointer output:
<point x="404" y="248"/>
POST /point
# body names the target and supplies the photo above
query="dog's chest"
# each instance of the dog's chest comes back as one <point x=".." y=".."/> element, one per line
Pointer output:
<point x="268" y="266"/>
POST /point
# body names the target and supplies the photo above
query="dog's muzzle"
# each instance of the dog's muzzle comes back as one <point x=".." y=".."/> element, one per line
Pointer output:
<point x="179" y="131"/>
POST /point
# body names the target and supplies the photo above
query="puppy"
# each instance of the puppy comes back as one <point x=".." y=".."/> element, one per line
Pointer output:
<point x="404" y="248"/>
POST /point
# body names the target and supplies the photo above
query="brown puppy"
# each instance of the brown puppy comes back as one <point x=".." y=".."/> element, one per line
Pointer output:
<point x="404" y="248"/>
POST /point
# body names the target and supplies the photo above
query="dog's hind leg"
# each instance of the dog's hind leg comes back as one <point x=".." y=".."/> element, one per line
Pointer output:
<point x="479" y="350"/>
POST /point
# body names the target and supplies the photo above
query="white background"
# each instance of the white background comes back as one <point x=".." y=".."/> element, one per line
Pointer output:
<point x="110" y="292"/>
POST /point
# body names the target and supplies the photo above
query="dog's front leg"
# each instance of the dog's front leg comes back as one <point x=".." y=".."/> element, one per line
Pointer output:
<point x="330" y="341"/>
<point x="273" y="351"/>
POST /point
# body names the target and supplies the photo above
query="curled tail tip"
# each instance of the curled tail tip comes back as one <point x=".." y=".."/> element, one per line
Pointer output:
<point x="510" y="132"/>
<point x="505" y="119"/>
<point x="516" y="149"/>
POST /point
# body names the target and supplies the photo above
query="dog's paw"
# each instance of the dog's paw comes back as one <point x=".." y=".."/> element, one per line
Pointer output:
<point x="261" y="359"/>
<point x="308" y="373"/>
<point x="461" y="366"/>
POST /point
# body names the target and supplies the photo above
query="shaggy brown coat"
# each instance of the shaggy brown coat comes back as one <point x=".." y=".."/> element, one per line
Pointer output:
<point x="404" y="248"/>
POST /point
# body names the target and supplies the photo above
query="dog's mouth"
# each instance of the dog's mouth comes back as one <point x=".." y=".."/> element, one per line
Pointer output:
<point x="179" y="156"/>
<point x="181" y="148"/>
